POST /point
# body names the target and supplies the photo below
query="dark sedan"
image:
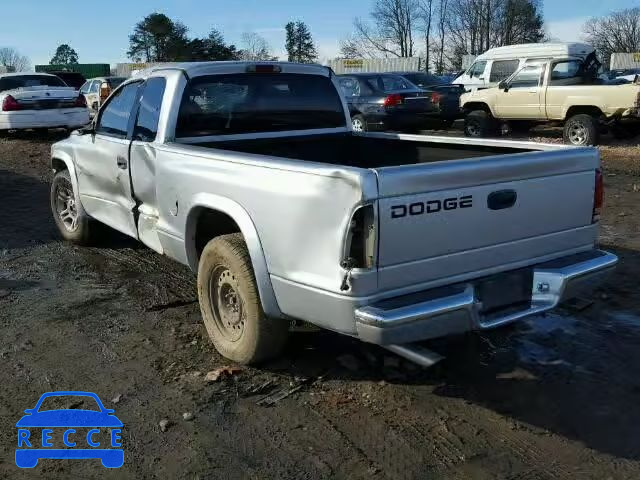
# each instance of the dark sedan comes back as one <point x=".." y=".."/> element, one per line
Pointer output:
<point x="448" y="102"/>
<point x="383" y="101"/>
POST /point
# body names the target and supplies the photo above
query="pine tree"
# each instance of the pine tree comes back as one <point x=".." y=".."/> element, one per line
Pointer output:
<point x="299" y="43"/>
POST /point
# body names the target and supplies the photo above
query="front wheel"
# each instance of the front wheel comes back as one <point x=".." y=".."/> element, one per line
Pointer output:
<point x="479" y="124"/>
<point x="230" y="304"/>
<point x="581" y="130"/>
<point x="72" y="221"/>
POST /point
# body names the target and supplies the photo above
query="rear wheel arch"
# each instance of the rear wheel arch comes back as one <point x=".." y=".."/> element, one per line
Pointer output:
<point x="213" y="216"/>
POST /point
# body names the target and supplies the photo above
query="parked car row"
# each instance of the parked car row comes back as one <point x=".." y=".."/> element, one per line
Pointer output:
<point x="390" y="101"/>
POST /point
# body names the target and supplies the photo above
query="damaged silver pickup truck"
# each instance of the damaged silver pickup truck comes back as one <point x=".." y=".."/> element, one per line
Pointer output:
<point x="250" y="174"/>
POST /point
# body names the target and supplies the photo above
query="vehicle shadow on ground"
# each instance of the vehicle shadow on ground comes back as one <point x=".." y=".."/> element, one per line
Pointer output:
<point x="36" y="136"/>
<point x="575" y="373"/>
<point x="26" y="219"/>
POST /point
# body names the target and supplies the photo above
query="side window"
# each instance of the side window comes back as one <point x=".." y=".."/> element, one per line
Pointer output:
<point x="95" y="85"/>
<point x="149" y="114"/>
<point x="502" y="69"/>
<point x="350" y="87"/>
<point x="477" y="69"/>
<point x="85" y="87"/>
<point x="565" y="70"/>
<point x="390" y="83"/>
<point x="114" y="117"/>
<point x="528" y="77"/>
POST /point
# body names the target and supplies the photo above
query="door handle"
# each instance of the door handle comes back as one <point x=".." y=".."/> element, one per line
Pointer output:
<point x="502" y="199"/>
<point x="122" y="162"/>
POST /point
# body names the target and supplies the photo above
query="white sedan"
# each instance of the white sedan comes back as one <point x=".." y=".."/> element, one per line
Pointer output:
<point x="38" y="100"/>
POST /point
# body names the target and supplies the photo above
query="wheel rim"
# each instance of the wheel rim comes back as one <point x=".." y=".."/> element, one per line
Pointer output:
<point x="577" y="134"/>
<point x="472" y="130"/>
<point x="227" y="304"/>
<point x="66" y="207"/>
<point x="357" y="125"/>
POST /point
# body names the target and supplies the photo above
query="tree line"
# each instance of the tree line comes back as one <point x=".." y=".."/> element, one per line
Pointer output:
<point x="443" y="31"/>
<point x="158" y="38"/>
<point x="440" y="31"/>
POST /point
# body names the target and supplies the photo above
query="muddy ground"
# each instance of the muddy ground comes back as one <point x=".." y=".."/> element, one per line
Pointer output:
<point x="555" y="397"/>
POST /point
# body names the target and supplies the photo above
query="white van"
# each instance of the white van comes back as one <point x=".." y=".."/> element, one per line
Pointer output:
<point x="499" y="63"/>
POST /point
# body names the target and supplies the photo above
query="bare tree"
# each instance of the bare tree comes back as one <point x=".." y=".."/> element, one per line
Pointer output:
<point x="390" y="32"/>
<point x="617" y="32"/>
<point x="442" y="32"/>
<point x="474" y="26"/>
<point x="255" y="47"/>
<point x="10" y="57"/>
<point x="426" y="16"/>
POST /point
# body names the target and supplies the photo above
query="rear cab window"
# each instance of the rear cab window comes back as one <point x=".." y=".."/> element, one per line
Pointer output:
<point x="254" y="103"/>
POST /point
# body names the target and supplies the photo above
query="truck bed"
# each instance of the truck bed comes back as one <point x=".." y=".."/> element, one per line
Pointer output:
<point x="362" y="152"/>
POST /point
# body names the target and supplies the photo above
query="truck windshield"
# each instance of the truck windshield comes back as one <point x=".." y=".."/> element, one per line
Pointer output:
<point x="264" y="102"/>
<point x="23" y="81"/>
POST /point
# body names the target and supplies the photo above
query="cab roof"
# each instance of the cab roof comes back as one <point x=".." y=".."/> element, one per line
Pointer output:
<point x="197" y="69"/>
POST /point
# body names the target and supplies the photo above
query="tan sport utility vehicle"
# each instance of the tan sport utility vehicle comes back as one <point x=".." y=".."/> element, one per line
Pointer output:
<point x="558" y="90"/>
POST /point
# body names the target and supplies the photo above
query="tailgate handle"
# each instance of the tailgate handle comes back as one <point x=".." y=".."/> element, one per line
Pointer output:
<point x="502" y="199"/>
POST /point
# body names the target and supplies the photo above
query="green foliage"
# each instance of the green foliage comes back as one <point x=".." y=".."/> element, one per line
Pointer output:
<point x="299" y="43"/>
<point x="65" y="55"/>
<point x="157" y="38"/>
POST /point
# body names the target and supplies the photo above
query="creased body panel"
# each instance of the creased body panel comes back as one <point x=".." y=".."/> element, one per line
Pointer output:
<point x="300" y="211"/>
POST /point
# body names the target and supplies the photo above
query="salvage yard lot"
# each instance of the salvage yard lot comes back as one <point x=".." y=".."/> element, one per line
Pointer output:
<point x="551" y="398"/>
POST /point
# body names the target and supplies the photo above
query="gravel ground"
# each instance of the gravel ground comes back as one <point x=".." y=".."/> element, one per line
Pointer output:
<point x="555" y="397"/>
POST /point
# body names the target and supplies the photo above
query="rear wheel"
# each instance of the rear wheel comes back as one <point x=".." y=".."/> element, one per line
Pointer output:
<point x="73" y="222"/>
<point x="230" y="304"/>
<point x="581" y="130"/>
<point x="479" y="124"/>
<point x="359" y="123"/>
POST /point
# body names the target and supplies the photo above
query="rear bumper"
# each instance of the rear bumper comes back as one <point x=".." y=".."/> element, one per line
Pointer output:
<point x="54" y="118"/>
<point x="457" y="311"/>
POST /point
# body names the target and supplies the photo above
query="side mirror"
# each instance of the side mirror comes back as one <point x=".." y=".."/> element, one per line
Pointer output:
<point x="88" y="130"/>
<point x="29" y="411"/>
<point x="503" y="85"/>
<point x="109" y="411"/>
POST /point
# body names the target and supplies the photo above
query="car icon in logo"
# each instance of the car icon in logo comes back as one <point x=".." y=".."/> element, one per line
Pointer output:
<point x="85" y="433"/>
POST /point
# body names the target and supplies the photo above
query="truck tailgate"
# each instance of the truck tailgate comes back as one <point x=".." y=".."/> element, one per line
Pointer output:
<point x="458" y="219"/>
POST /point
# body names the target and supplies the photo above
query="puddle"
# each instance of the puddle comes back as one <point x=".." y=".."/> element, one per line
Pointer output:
<point x="540" y="330"/>
<point x="625" y="319"/>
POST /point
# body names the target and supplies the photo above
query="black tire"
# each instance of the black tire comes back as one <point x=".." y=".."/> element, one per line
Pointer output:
<point x="359" y="120"/>
<point x="581" y="130"/>
<point x="479" y="124"/>
<point x="230" y="304"/>
<point x="80" y="230"/>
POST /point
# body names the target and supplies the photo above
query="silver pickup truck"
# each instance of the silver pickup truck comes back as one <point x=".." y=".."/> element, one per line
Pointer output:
<point x="250" y="174"/>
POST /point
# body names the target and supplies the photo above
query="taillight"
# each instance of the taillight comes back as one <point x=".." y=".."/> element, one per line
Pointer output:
<point x="361" y="238"/>
<point x="436" y="97"/>
<point x="80" y="102"/>
<point x="393" y="100"/>
<point x="10" y="104"/>
<point x="598" y="196"/>
<point x="263" y="68"/>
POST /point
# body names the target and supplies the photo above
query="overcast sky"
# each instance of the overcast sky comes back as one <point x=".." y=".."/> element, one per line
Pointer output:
<point x="99" y="30"/>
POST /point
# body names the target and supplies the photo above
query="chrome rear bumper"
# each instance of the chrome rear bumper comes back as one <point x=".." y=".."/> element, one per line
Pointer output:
<point x="553" y="282"/>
